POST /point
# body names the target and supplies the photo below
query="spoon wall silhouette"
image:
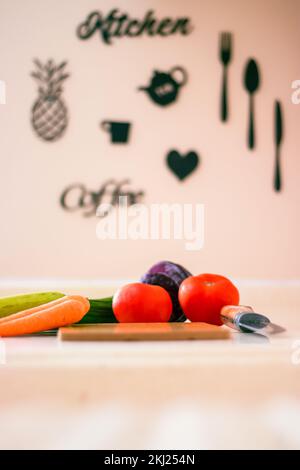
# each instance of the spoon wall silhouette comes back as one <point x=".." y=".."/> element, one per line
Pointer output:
<point x="251" y="83"/>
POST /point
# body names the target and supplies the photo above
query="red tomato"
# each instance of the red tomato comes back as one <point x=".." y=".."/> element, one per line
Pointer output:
<point x="142" y="303"/>
<point x="202" y="297"/>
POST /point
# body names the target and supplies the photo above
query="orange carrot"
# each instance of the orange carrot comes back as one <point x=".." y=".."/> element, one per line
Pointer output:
<point x="29" y="311"/>
<point x="55" y="314"/>
<point x="25" y="313"/>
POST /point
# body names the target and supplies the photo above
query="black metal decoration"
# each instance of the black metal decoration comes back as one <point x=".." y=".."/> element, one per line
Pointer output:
<point x="251" y="83"/>
<point x="182" y="165"/>
<point x="278" y="136"/>
<point x="49" y="115"/>
<point x="164" y="86"/>
<point x="77" y="197"/>
<point x="117" y="24"/>
<point x="119" y="131"/>
<point x="225" y="58"/>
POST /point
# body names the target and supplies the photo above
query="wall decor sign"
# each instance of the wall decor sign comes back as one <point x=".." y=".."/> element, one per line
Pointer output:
<point x="119" y="131"/>
<point x="49" y="115"/>
<point x="77" y="197"/>
<point x="225" y="58"/>
<point x="117" y="24"/>
<point x="251" y="83"/>
<point x="182" y="165"/>
<point x="164" y="86"/>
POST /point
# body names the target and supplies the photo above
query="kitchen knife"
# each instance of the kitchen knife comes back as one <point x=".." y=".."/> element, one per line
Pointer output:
<point x="244" y="319"/>
<point x="278" y="139"/>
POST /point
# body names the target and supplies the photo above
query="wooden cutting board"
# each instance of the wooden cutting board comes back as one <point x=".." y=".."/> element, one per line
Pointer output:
<point x="143" y="332"/>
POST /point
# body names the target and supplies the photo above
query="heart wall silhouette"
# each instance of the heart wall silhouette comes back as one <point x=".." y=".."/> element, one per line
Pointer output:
<point x="182" y="165"/>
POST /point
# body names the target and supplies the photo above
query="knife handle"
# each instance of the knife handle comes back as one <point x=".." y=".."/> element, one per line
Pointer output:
<point x="277" y="176"/>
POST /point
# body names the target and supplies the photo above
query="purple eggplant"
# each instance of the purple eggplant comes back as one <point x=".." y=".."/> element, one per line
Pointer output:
<point x="169" y="276"/>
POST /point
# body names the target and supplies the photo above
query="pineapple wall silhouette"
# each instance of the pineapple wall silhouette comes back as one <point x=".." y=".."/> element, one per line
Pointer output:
<point x="49" y="113"/>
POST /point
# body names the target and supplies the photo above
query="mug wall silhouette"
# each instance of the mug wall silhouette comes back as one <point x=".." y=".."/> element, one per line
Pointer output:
<point x="119" y="131"/>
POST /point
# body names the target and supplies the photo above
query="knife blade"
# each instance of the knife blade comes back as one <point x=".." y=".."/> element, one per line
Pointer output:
<point x="257" y="323"/>
<point x="278" y="124"/>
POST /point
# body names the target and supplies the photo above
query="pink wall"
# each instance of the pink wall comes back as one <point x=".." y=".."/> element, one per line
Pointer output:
<point x="250" y="231"/>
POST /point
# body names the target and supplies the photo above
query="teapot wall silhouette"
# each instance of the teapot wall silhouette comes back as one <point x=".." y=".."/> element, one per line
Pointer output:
<point x="164" y="86"/>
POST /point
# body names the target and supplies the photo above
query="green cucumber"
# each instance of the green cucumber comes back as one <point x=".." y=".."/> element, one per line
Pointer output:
<point x="17" y="303"/>
<point x="100" y="312"/>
